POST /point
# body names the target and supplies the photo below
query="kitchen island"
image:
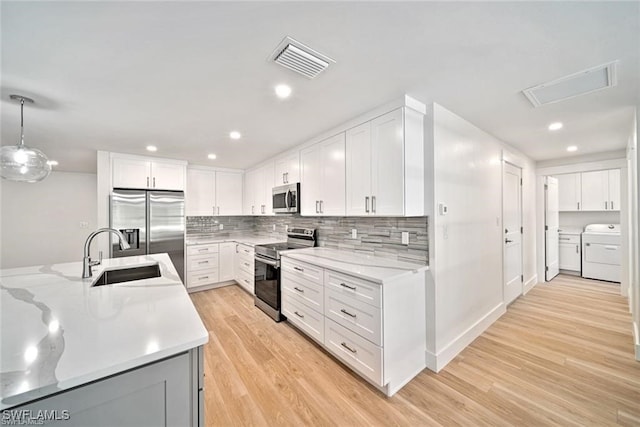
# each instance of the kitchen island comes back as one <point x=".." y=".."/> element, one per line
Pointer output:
<point x="122" y="354"/>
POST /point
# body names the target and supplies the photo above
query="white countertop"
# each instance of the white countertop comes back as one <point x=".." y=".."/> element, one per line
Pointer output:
<point x="374" y="268"/>
<point x="58" y="332"/>
<point x="246" y="239"/>
<point x="570" y="230"/>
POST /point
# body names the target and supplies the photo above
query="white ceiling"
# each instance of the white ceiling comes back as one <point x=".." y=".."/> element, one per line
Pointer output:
<point x="180" y="75"/>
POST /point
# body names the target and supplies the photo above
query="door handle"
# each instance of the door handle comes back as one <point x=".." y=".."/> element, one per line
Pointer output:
<point x="218" y="210"/>
<point x="508" y="241"/>
<point x="154" y="182"/>
<point x="612" y="205"/>
<point x="321" y="207"/>
<point x="253" y="209"/>
<point x="284" y="181"/>
<point x="317" y="209"/>
<point x="578" y="205"/>
<point x="286" y="174"/>
<point x="577" y="250"/>
<point x="506" y="231"/>
<point x="373" y="204"/>
<point x="366" y="204"/>
<point x="605" y="205"/>
<point x="147" y="181"/>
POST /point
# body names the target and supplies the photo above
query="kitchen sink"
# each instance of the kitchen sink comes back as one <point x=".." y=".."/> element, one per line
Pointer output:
<point x="128" y="274"/>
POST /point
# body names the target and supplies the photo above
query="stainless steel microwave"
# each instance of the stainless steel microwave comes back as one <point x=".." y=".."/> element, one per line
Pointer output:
<point x="286" y="198"/>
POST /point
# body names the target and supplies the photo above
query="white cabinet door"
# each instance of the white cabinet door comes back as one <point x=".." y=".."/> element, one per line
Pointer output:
<point x="569" y="191"/>
<point x="226" y="261"/>
<point x="332" y="182"/>
<point x="358" y="170"/>
<point x="228" y="193"/>
<point x="287" y="169"/>
<point x="201" y="196"/>
<point x="249" y="196"/>
<point x="131" y="173"/>
<point x="595" y="190"/>
<point x="387" y="164"/>
<point x="614" y="190"/>
<point x="569" y="256"/>
<point x="310" y="180"/>
<point x="265" y="187"/>
<point x="167" y="176"/>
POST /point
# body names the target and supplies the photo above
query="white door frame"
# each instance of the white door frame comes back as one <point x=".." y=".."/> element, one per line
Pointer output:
<point x="550" y="229"/>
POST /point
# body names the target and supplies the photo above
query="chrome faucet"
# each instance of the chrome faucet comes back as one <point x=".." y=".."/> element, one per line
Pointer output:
<point x="86" y="260"/>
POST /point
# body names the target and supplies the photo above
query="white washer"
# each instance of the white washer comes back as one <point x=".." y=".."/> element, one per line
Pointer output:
<point x="601" y="252"/>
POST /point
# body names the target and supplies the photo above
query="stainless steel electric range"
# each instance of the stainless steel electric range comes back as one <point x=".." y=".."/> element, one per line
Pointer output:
<point x="267" y="269"/>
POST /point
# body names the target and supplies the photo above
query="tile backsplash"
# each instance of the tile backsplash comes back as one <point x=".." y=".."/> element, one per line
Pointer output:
<point x="379" y="236"/>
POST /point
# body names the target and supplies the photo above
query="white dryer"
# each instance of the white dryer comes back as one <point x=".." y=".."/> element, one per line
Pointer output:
<point x="601" y="252"/>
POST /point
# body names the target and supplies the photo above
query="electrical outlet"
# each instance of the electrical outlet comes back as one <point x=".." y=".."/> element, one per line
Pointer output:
<point x="405" y="237"/>
<point x="221" y="226"/>
<point x="274" y="227"/>
<point x="354" y="233"/>
<point x="84" y="224"/>
<point x="286" y="227"/>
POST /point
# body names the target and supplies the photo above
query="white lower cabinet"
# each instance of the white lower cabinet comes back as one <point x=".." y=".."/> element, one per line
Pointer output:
<point x="202" y="265"/>
<point x="244" y="273"/>
<point x="570" y="252"/>
<point x="376" y="329"/>
<point x="226" y="258"/>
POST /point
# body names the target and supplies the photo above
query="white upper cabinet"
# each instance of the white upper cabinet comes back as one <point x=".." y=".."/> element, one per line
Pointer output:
<point x="601" y="190"/>
<point x="228" y="193"/>
<point x="569" y="192"/>
<point x="385" y="165"/>
<point x="147" y="173"/>
<point x="258" y="189"/>
<point x="212" y="192"/>
<point x="322" y="178"/>
<point x="287" y="169"/>
<point x="200" y="199"/>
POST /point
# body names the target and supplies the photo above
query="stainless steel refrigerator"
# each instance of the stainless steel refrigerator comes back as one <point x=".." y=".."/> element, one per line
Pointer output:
<point x="151" y="221"/>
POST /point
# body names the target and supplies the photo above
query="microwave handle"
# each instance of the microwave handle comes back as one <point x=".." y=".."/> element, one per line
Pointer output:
<point x="287" y="198"/>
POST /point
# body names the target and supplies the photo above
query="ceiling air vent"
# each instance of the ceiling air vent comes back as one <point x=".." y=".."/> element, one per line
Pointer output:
<point x="302" y="59"/>
<point x="587" y="81"/>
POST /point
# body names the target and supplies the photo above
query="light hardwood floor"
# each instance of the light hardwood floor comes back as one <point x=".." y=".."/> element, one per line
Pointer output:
<point x="561" y="355"/>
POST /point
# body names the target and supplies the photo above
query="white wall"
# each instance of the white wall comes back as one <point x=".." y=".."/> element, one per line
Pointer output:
<point x="580" y="219"/>
<point x="464" y="285"/>
<point x="41" y="222"/>
<point x="633" y="158"/>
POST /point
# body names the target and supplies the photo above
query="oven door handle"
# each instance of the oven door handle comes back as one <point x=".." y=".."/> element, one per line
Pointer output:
<point x="267" y="261"/>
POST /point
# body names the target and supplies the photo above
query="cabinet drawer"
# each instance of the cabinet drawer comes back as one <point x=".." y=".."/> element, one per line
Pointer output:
<point x="202" y="262"/>
<point x="245" y="251"/>
<point x="303" y="270"/>
<point x="247" y="282"/>
<point x="202" y="249"/>
<point x="360" y="354"/>
<point x="362" y="290"/>
<point x="308" y="293"/>
<point x="246" y="266"/>
<point x="355" y="315"/>
<point x="308" y="320"/>
<point x="569" y="238"/>
<point x="201" y="278"/>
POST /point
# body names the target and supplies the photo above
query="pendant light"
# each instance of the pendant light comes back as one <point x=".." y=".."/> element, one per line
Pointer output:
<point x="22" y="163"/>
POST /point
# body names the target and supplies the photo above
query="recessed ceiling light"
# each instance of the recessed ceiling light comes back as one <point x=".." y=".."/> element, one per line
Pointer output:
<point x="235" y="134"/>
<point x="572" y="148"/>
<point x="152" y="148"/>
<point x="283" y="91"/>
<point x="212" y="156"/>
<point x="555" y="126"/>
<point x="53" y="163"/>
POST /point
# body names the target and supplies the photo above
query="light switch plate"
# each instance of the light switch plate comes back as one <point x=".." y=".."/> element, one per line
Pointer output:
<point x="405" y="237"/>
<point x="354" y="233"/>
<point x="443" y="209"/>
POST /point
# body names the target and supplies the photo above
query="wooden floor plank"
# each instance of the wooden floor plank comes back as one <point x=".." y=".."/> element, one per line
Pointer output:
<point x="561" y="355"/>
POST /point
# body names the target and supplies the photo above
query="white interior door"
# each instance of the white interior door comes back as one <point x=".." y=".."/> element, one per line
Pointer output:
<point x="512" y="221"/>
<point x="551" y="227"/>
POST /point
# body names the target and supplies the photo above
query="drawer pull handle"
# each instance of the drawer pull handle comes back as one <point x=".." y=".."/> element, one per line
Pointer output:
<point x="203" y="262"/>
<point x="246" y="281"/>
<point x="203" y="277"/>
<point x="347" y="313"/>
<point x="298" y="268"/>
<point x="203" y="250"/>
<point x="299" y="315"/>
<point x="344" y="285"/>
<point x="247" y="264"/>
<point x="298" y="289"/>
<point x="344" y="344"/>
<point x="565" y="238"/>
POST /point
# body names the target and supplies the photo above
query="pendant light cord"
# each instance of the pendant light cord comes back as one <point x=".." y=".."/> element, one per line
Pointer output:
<point x="22" y="122"/>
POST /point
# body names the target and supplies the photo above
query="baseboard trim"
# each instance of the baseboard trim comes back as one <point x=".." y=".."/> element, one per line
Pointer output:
<point x="211" y="286"/>
<point x="529" y="284"/>
<point x="636" y="338"/>
<point x="436" y="362"/>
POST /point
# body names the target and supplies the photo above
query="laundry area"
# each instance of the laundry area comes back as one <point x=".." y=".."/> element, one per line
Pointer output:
<point x="584" y="231"/>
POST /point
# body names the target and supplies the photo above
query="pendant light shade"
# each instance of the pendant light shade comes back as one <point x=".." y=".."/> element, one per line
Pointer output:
<point x="22" y="163"/>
